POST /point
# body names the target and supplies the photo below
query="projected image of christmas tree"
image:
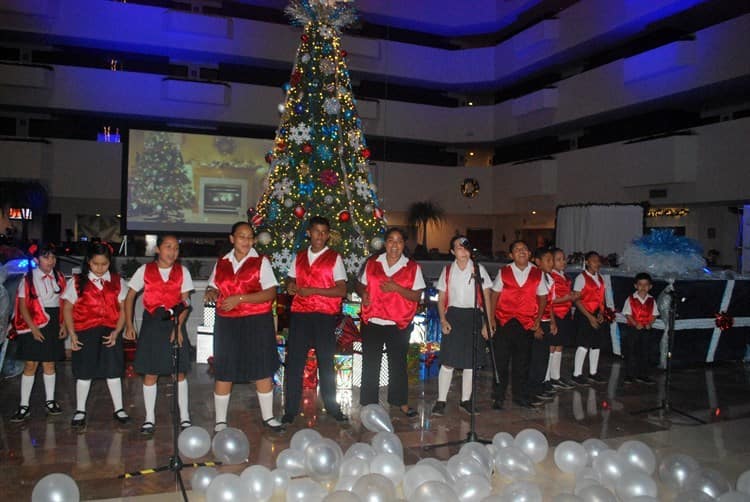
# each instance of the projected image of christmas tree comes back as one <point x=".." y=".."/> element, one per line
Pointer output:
<point x="319" y="160"/>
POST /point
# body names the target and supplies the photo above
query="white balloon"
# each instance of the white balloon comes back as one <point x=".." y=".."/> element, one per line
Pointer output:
<point x="522" y="491"/>
<point x="342" y="496"/>
<point x="635" y="483"/>
<point x="733" y="496"/>
<point x="281" y="480"/>
<point x="570" y="456"/>
<point x="202" y="477"/>
<point x="388" y="442"/>
<point x="433" y="491"/>
<point x="610" y="467"/>
<point x="194" y="442"/>
<point x="566" y="497"/>
<point x="361" y="450"/>
<point x="480" y="453"/>
<point x="304" y="438"/>
<point x="439" y="466"/>
<point x="390" y="466"/>
<point x="639" y="455"/>
<point x="258" y="481"/>
<point x="709" y="481"/>
<point x="354" y="467"/>
<point x="419" y="474"/>
<point x="596" y="493"/>
<point x="292" y="461"/>
<point x="675" y="470"/>
<point x="231" y="446"/>
<point x="743" y="483"/>
<point x="305" y="490"/>
<point x="465" y="465"/>
<point x="693" y="496"/>
<point x="513" y="463"/>
<point x="472" y="488"/>
<point x="583" y="483"/>
<point x="56" y="487"/>
<point x="502" y="440"/>
<point x="643" y="498"/>
<point x="594" y="447"/>
<point x="323" y="459"/>
<point x="345" y="483"/>
<point x="375" y="418"/>
<point x="374" y="488"/>
<point x="533" y="443"/>
<point x="226" y="488"/>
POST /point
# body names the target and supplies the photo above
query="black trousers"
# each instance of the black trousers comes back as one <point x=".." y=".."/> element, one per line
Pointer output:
<point x="512" y="349"/>
<point x="635" y="345"/>
<point x="539" y="360"/>
<point x="310" y="331"/>
<point x="396" y="344"/>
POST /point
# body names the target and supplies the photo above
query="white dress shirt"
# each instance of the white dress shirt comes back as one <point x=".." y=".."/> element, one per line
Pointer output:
<point x="521" y="277"/>
<point x="461" y="290"/>
<point x="389" y="272"/>
<point x="339" y="272"/>
<point x="137" y="282"/>
<point x="71" y="295"/>
<point x="45" y="286"/>
<point x="267" y="278"/>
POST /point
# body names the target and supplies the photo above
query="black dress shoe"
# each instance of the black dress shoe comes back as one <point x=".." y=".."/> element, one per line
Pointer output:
<point x="597" y="378"/>
<point x="274" y="427"/>
<point x="580" y="380"/>
<point x="497" y="404"/>
<point x="339" y="416"/>
<point x="628" y="380"/>
<point x="466" y="406"/>
<point x="121" y="416"/>
<point x="80" y="422"/>
<point x="185" y="424"/>
<point x="147" y="429"/>
<point x="287" y="419"/>
<point x="523" y="403"/>
<point x="52" y="408"/>
<point x="439" y="409"/>
<point x="21" y="414"/>
<point x="646" y="380"/>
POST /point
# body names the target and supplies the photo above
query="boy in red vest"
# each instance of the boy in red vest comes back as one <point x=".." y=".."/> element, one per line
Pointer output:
<point x="318" y="282"/>
<point x="641" y="311"/>
<point x="520" y="297"/>
<point x="590" y="326"/>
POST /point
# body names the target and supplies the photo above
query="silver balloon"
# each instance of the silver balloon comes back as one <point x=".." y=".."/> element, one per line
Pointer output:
<point x="388" y="442"/>
<point x="194" y="442"/>
<point x="202" y="477"/>
<point x="323" y="459"/>
<point x="258" y="481"/>
<point x="493" y="498"/>
<point x="709" y="481"/>
<point x="374" y="488"/>
<point x="375" y="418"/>
<point x="361" y="450"/>
<point x="226" y="488"/>
<point x="635" y="483"/>
<point x="419" y="474"/>
<point x="464" y="465"/>
<point x="472" y="488"/>
<point x="304" y="438"/>
<point x="305" y="490"/>
<point x="639" y="455"/>
<point x="522" y="491"/>
<point x="610" y="467"/>
<point x="513" y="463"/>
<point x="502" y="440"/>
<point x="480" y="453"/>
<point x="292" y="461"/>
<point x="342" y="496"/>
<point x="345" y="483"/>
<point x="56" y="487"/>
<point x="354" y="467"/>
<point x="566" y="497"/>
<point x="230" y="446"/>
<point x="743" y="483"/>
<point x="675" y="470"/>
<point x="642" y="498"/>
<point x="733" y="496"/>
<point x="438" y="466"/>
<point x="570" y="456"/>
<point x="587" y="473"/>
<point x="492" y="449"/>
<point x="596" y="493"/>
<point x="533" y="443"/>
<point x="583" y="483"/>
<point x="281" y="479"/>
<point x="594" y="447"/>
<point x="390" y="466"/>
<point x="433" y="491"/>
<point x="693" y="496"/>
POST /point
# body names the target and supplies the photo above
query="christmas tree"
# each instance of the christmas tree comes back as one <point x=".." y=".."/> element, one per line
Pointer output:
<point x="319" y="160"/>
<point x="160" y="187"/>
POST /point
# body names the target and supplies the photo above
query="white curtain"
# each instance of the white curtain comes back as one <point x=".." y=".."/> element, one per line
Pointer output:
<point x="602" y="228"/>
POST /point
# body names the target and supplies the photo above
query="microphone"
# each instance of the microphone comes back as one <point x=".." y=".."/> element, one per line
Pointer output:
<point x="464" y="242"/>
<point x="176" y="310"/>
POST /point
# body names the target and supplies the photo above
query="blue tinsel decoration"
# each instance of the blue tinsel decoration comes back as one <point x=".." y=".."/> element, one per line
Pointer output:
<point x="306" y="189"/>
<point x="665" y="241"/>
<point x="324" y="153"/>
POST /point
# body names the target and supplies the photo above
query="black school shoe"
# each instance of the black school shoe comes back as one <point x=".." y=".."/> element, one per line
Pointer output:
<point x="466" y="406"/>
<point x="597" y="378"/>
<point x="646" y="380"/>
<point x="121" y="416"/>
<point x="439" y="409"/>
<point x="52" y="408"/>
<point x="78" y="423"/>
<point x="580" y="380"/>
<point x="21" y="415"/>
<point x="287" y="419"/>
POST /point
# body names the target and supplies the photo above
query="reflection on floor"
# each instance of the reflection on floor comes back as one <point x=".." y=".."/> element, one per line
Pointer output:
<point x="717" y="395"/>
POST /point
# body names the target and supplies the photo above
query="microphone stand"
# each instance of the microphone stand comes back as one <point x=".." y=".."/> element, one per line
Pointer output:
<point x="476" y="329"/>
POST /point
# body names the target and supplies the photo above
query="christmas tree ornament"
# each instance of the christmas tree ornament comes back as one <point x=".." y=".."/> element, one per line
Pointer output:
<point x="378" y="213"/>
<point x="376" y="243"/>
<point x="335" y="238"/>
<point x="264" y="238"/>
<point x="304" y="38"/>
<point x="366" y="153"/>
<point x="368" y="208"/>
<point x="305" y="58"/>
<point x="329" y="178"/>
<point x="343" y="53"/>
<point x="288" y="203"/>
<point x="299" y="212"/>
<point x="328" y="199"/>
<point x="307" y="148"/>
<point x="304" y="169"/>
<point x="344" y="216"/>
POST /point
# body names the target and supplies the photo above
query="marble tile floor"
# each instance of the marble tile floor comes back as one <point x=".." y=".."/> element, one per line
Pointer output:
<point x="717" y="395"/>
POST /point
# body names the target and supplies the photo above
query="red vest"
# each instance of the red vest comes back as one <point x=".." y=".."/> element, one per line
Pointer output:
<point x="480" y="300"/>
<point x="317" y="275"/>
<point x="34" y="306"/>
<point x="156" y="292"/>
<point x="518" y="302"/>
<point x="563" y="286"/>
<point x="245" y="281"/>
<point x="642" y="313"/>
<point x="97" y="307"/>
<point x="551" y="295"/>
<point x="592" y="295"/>
<point x="390" y="306"/>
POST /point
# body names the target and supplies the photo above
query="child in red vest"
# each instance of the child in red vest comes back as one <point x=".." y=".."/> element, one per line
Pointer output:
<point x="318" y="282"/>
<point x="641" y="311"/>
<point x="459" y="310"/>
<point x="39" y="325"/>
<point x="562" y="306"/>
<point x="520" y="297"/>
<point x="166" y="286"/>
<point x="590" y="325"/>
<point x="390" y="287"/>
<point x="243" y="286"/>
<point x="540" y="387"/>
<point x="95" y="316"/>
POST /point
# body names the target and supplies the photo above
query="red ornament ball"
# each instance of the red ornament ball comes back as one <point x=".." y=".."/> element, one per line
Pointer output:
<point x="304" y="37"/>
<point x="344" y="216"/>
<point x="299" y="212"/>
<point x="307" y="148"/>
<point x="281" y="145"/>
<point x="378" y="213"/>
<point x="366" y="153"/>
<point x="343" y="53"/>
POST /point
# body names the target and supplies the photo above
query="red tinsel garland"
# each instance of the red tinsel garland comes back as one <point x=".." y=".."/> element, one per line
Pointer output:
<point x="724" y="321"/>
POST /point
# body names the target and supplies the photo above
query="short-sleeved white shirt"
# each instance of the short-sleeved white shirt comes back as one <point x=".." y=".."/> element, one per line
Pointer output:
<point x="580" y="281"/>
<point x="71" y="295"/>
<point x="461" y="284"/>
<point x="267" y="278"/>
<point x="137" y="282"/>
<point x="339" y="272"/>
<point x="626" y="310"/>
<point x="45" y="286"/>
<point x="521" y="276"/>
<point x="390" y="271"/>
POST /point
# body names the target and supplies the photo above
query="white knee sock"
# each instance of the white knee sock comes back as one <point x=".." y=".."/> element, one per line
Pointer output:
<point x="466" y="382"/>
<point x="556" y="361"/>
<point x="27" y="383"/>
<point x="578" y="361"/>
<point x="115" y="390"/>
<point x="265" y="399"/>
<point x="49" y="386"/>
<point x="221" y="404"/>
<point x="549" y="365"/>
<point x="149" y="402"/>
<point x="182" y="400"/>
<point x="444" y="382"/>
<point x="593" y="361"/>
<point x="82" y="393"/>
